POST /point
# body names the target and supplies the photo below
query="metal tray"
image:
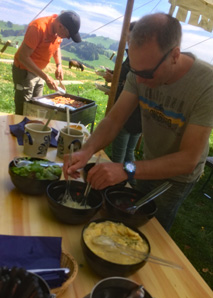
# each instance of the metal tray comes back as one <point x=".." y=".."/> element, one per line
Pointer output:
<point x="46" y="101"/>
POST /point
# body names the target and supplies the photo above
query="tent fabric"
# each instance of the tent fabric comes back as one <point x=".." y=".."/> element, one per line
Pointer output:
<point x="200" y="11"/>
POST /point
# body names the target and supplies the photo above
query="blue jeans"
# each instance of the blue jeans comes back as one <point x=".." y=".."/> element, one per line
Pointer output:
<point x="124" y="145"/>
<point x="169" y="202"/>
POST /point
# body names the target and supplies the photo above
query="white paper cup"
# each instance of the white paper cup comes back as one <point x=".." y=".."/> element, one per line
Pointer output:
<point x="36" y="141"/>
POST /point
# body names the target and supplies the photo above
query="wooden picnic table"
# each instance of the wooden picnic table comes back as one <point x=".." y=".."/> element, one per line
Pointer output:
<point x="26" y="215"/>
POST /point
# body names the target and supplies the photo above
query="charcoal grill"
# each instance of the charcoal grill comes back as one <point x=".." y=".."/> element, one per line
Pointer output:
<point x="85" y="114"/>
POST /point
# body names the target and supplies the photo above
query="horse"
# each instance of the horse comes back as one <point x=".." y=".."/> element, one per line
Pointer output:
<point x="76" y="64"/>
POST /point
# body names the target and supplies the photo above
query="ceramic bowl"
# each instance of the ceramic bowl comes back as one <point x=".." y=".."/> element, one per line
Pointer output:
<point x="71" y="215"/>
<point x="30" y="185"/>
<point x="118" y="198"/>
<point x="115" y="287"/>
<point x="106" y="268"/>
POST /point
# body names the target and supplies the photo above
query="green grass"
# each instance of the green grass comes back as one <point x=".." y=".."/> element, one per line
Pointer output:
<point x="103" y="60"/>
<point x="192" y="229"/>
<point x="104" y="41"/>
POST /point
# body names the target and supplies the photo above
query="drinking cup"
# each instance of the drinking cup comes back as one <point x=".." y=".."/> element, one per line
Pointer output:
<point x="36" y="141"/>
<point x="65" y="140"/>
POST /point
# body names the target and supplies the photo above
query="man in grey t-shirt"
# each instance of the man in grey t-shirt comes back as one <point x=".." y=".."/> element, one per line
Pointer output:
<point x="175" y="92"/>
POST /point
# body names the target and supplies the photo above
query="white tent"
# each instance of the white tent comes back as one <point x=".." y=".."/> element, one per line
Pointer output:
<point x="194" y="12"/>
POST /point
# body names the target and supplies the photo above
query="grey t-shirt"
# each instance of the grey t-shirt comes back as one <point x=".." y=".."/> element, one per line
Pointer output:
<point x="167" y="110"/>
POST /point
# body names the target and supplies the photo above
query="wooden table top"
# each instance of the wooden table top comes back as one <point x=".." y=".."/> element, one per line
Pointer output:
<point x="26" y="215"/>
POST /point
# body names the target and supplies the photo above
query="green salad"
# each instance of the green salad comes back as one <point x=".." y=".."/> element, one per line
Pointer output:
<point x="36" y="171"/>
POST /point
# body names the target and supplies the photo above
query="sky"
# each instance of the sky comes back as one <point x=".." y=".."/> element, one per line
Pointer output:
<point x="95" y="16"/>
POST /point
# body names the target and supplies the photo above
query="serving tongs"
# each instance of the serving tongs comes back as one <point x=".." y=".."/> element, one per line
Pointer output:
<point x="149" y="197"/>
<point x="109" y="243"/>
<point x="88" y="188"/>
<point x="18" y="162"/>
<point x="61" y="88"/>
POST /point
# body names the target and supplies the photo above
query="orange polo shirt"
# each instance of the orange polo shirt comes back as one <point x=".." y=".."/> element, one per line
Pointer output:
<point x="40" y="38"/>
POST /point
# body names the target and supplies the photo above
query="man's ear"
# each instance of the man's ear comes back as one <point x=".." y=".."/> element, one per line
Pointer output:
<point x="175" y="55"/>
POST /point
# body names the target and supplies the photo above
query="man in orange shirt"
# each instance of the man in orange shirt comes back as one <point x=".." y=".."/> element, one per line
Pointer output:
<point x="41" y="42"/>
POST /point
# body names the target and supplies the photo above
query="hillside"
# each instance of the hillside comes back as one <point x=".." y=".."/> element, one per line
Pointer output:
<point x="93" y="51"/>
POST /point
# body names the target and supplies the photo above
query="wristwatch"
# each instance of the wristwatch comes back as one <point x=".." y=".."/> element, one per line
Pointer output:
<point x="130" y="168"/>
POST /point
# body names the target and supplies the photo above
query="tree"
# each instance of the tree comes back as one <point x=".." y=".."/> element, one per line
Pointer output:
<point x="9" y="24"/>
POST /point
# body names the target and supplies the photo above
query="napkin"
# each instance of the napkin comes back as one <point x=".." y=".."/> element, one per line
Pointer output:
<point x="18" y="131"/>
<point x="33" y="252"/>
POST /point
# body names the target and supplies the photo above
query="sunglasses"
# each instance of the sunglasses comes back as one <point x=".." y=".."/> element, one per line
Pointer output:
<point x="148" y="74"/>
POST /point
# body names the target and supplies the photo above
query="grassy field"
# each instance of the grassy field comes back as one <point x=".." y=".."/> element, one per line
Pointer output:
<point x="193" y="227"/>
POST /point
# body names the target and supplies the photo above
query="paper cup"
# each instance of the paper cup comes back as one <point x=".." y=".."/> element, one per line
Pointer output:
<point x="65" y="140"/>
<point x="36" y="141"/>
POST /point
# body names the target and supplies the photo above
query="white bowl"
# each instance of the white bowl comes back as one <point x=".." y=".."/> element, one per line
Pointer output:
<point x="102" y="88"/>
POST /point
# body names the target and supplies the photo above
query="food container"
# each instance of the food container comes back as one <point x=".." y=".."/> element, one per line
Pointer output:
<point x="30" y="185"/>
<point x="116" y="287"/>
<point x="85" y="112"/>
<point x="71" y="215"/>
<point x="106" y="268"/>
<point x="117" y="198"/>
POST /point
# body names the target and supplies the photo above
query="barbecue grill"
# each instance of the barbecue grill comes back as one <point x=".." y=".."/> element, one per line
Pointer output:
<point x="85" y="113"/>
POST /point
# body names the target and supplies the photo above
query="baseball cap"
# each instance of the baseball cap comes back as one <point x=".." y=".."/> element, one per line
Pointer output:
<point x="71" y="21"/>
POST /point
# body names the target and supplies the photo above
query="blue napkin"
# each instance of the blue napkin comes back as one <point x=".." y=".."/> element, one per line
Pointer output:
<point x="18" y="131"/>
<point x="33" y="252"/>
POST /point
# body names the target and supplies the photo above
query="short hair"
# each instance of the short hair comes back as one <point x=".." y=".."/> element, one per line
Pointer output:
<point x="161" y="27"/>
<point x="132" y="25"/>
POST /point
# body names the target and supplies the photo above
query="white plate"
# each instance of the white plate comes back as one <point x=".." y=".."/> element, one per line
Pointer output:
<point x="100" y="73"/>
<point x="102" y="88"/>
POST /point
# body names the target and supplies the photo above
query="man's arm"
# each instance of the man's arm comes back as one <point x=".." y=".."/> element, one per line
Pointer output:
<point x="25" y="58"/>
<point x="59" y="70"/>
<point x="104" y="134"/>
<point x="181" y="162"/>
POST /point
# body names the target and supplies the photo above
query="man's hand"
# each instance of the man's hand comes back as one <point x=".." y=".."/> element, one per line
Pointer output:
<point x="108" y="76"/>
<point x="105" y="174"/>
<point x="59" y="72"/>
<point x="51" y="83"/>
<point x="78" y="161"/>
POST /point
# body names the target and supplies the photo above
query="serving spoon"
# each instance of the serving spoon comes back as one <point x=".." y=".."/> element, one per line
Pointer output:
<point x="149" y="197"/>
<point x="109" y="243"/>
<point x="49" y="119"/>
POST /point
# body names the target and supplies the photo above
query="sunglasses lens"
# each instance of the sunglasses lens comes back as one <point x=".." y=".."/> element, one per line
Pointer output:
<point x="143" y="74"/>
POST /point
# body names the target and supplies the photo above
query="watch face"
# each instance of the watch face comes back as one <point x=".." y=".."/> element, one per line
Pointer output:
<point x="130" y="167"/>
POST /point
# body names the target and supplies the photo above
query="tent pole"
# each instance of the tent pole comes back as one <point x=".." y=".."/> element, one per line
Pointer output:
<point x="119" y="58"/>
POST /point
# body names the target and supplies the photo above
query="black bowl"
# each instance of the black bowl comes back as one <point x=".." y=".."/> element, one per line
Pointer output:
<point x="86" y="170"/>
<point x="118" y="198"/>
<point x="71" y="215"/>
<point x="106" y="268"/>
<point x="42" y="284"/>
<point x="114" y="287"/>
<point x="29" y="186"/>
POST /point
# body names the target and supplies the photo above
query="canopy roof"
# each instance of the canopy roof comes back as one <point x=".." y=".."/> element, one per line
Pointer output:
<point x="194" y="12"/>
